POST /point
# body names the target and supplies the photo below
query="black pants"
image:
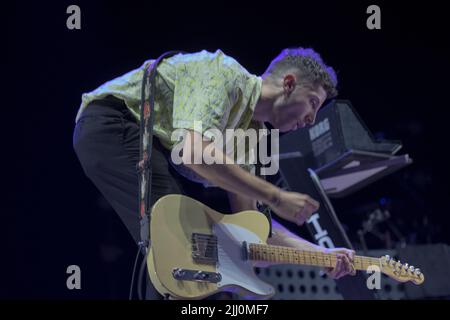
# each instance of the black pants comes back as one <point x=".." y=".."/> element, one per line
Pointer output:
<point x="106" y="141"/>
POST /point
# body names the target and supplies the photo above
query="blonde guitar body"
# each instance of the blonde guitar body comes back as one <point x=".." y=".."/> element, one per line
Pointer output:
<point x="175" y="218"/>
<point x="196" y="252"/>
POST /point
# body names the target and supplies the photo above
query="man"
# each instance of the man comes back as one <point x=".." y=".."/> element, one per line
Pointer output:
<point x="215" y="89"/>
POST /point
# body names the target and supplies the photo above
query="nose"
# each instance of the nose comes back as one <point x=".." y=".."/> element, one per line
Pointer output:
<point x="310" y="119"/>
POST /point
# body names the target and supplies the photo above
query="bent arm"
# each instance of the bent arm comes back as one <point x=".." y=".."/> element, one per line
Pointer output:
<point x="230" y="177"/>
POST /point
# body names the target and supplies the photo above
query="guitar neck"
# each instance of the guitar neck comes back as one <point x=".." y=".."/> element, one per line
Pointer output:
<point x="281" y="255"/>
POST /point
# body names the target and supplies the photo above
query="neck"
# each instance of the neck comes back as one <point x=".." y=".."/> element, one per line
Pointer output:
<point x="264" y="106"/>
<point x="287" y="255"/>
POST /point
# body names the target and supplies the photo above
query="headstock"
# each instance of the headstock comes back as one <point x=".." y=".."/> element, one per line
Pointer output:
<point x="401" y="272"/>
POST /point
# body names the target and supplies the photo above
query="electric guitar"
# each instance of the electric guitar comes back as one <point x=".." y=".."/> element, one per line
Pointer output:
<point x="197" y="251"/>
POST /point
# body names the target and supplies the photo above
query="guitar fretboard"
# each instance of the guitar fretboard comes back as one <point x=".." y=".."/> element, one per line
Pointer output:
<point x="280" y="255"/>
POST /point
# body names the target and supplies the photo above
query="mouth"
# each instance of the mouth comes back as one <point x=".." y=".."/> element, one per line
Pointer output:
<point x="297" y="125"/>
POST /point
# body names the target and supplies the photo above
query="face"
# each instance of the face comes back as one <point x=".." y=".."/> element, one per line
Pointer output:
<point x="297" y="107"/>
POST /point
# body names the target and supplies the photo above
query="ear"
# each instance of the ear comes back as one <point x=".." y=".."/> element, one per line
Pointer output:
<point x="289" y="83"/>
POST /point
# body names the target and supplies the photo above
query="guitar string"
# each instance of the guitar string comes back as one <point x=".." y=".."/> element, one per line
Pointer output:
<point x="290" y="254"/>
<point x="294" y="254"/>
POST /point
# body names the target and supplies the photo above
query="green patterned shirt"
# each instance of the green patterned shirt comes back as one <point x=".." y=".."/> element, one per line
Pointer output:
<point x="209" y="87"/>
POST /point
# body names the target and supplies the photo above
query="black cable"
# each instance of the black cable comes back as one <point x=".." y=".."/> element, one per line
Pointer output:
<point x="140" y="278"/>
<point x="130" y="295"/>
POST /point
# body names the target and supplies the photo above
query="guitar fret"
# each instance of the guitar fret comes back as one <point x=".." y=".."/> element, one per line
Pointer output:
<point x="278" y="254"/>
<point x="288" y="255"/>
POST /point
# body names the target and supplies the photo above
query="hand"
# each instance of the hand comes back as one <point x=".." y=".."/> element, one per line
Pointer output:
<point x="344" y="263"/>
<point x="294" y="207"/>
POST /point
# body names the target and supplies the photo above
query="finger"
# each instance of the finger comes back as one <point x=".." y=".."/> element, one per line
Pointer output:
<point x="346" y="259"/>
<point x="337" y="268"/>
<point x="307" y="199"/>
<point x="353" y="270"/>
<point x="307" y="211"/>
<point x="350" y="254"/>
<point x="328" y="270"/>
<point x="331" y="272"/>
<point x="342" y="272"/>
<point x="299" y="219"/>
<point x="347" y="266"/>
<point x="315" y="204"/>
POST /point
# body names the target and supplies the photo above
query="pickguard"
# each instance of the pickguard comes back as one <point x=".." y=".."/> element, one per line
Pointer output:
<point x="232" y="265"/>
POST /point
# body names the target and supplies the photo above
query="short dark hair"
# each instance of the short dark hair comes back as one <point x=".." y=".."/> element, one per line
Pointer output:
<point x="309" y="66"/>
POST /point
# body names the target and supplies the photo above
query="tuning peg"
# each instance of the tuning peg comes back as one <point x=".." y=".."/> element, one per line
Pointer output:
<point x="417" y="272"/>
<point x="405" y="266"/>
<point x="387" y="257"/>
<point x="398" y="265"/>
<point x="411" y="268"/>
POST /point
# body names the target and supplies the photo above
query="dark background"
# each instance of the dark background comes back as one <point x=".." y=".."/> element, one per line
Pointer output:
<point x="52" y="215"/>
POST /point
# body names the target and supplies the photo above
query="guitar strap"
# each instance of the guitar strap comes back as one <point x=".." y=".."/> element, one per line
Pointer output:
<point x="144" y="166"/>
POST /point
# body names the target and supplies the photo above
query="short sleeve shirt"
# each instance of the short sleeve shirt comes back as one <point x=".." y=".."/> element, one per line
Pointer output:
<point x="209" y="87"/>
